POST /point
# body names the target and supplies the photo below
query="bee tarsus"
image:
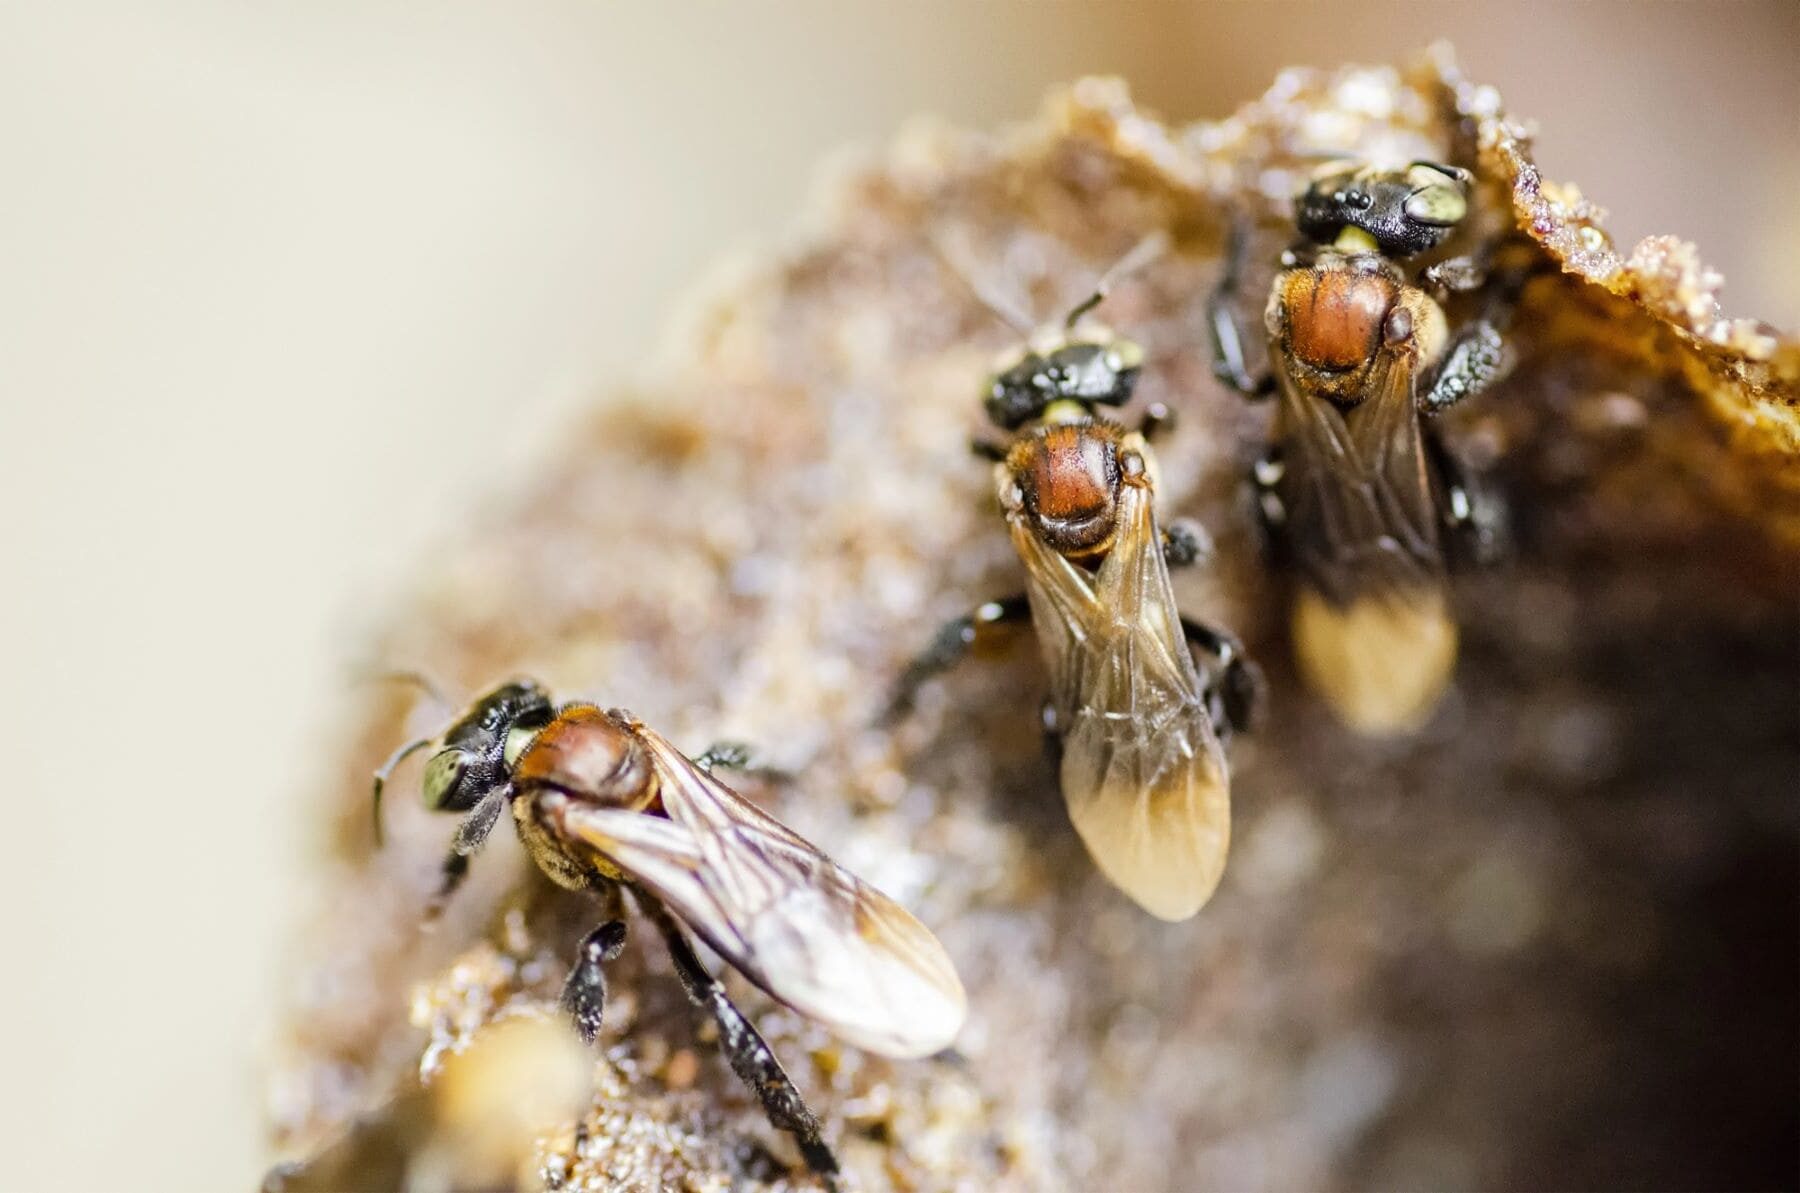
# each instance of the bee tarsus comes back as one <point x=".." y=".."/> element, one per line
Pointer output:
<point x="1231" y="361"/>
<point x="1474" y="360"/>
<point x="1234" y="685"/>
<point x="748" y="1053"/>
<point x="584" y="992"/>
<point x="1185" y="543"/>
<point x="731" y="755"/>
<point x="951" y="644"/>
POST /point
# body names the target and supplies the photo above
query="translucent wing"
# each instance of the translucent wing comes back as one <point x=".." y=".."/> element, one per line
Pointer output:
<point x="789" y="918"/>
<point x="1142" y="773"/>
<point x="1361" y="514"/>
<point x="1376" y="638"/>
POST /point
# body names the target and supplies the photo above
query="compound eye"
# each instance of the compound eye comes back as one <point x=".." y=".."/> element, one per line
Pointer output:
<point x="443" y="776"/>
<point x="1437" y="198"/>
<point x="1124" y="354"/>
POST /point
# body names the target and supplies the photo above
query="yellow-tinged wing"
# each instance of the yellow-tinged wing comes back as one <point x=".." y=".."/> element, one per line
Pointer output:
<point x="1143" y="773"/>
<point x="800" y="926"/>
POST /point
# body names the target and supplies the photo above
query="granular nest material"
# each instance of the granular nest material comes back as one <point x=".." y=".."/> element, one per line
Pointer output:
<point x="1547" y="941"/>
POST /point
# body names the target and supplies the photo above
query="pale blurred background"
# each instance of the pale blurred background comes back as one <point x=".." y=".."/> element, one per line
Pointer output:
<point x="288" y="287"/>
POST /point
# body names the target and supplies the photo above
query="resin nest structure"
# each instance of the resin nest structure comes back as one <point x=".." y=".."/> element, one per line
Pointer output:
<point x="1545" y="940"/>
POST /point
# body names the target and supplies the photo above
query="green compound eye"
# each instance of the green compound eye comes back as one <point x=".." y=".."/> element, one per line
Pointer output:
<point x="1437" y="205"/>
<point x="1123" y="354"/>
<point x="443" y="775"/>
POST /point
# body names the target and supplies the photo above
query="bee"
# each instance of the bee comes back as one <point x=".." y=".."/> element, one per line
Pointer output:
<point x="1356" y="495"/>
<point x="604" y="804"/>
<point x="1140" y="725"/>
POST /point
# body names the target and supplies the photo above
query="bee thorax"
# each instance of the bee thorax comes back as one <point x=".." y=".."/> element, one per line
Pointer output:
<point x="1068" y="477"/>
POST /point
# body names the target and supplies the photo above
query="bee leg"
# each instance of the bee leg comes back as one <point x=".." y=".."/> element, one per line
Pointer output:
<point x="1234" y="684"/>
<point x="563" y="1179"/>
<point x="1230" y="363"/>
<point x="991" y="452"/>
<point x="471" y="834"/>
<point x="584" y="993"/>
<point x="749" y="1054"/>
<point x="735" y="755"/>
<point x="1158" y="420"/>
<point x="1052" y="726"/>
<point x="1474" y="515"/>
<point x="1476" y="358"/>
<point x="1185" y="543"/>
<point x="732" y="755"/>
<point x="1270" y="511"/>
<point x="948" y="648"/>
<point x="1456" y="275"/>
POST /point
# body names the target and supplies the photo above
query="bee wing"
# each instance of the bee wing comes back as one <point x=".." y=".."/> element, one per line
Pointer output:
<point x="1360" y="514"/>
<point x="1065" y="613"/>
<point x="800" y="926"/>
<point x="1142" y="772"/>
<point x="1390" y="441"/>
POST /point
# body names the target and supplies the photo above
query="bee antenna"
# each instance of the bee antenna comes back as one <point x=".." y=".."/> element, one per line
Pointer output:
<point x="409" y="678"/>
<point x="387" y="768"/>
<point x="1141" y="254"/>
<point x="998" y="306"/>
<point x="1457" y="172"/>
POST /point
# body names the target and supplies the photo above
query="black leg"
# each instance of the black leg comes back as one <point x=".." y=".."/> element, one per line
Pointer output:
<point x="1052" y="726"/>
<point x="584" y="994"/>
<point x="1269" y="511"/>
<point x="1477" y="356"/>
<point x="992" y="452"/>
<point x="745" y="1048"/>
<point x="558" y="1180"/>
<point x="1456" y="275"/>
<point x="1474" y="516"/>
<point x="954" y="641"/>
<point x="1230" y="362"/>
<point x="1475" y="360"/>
<point x="1186" y="543"/>
<point x="1233" y="683"/>
<point x="471" y="835"/>
<point x="1158" y="420"/>
<point x="732" y="755"/>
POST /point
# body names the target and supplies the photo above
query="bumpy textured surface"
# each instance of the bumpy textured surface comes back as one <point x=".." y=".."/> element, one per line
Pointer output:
<point x="1547" y="942"/>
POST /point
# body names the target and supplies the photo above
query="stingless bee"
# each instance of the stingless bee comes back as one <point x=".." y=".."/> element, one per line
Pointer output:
<point x="1356" y="496"/>
<point x="603" y="803"/>
<point x="1140" y="725"/>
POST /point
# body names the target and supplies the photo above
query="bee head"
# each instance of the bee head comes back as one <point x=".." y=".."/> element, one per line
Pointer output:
<point x="1096" y="369"/>
<point x="1405" y="212"/>
<point x="483" y="744"/>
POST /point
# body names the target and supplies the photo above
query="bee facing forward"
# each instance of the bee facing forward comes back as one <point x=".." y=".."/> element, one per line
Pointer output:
<point x="603" y="803"/>
<point x="1143" y="768"/>
<point x="1355" y="495"/>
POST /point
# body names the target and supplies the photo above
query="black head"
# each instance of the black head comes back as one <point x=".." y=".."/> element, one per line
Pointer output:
<point x="473" y="759"/>
<point x="1094" y="371"/>
<point x="1407" y="211"/>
